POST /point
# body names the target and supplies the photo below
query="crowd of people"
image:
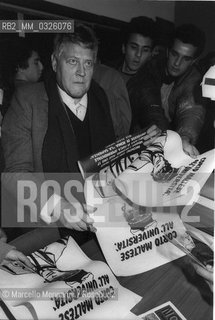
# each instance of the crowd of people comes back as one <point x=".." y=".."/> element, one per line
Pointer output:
<point x="81" y="105"/>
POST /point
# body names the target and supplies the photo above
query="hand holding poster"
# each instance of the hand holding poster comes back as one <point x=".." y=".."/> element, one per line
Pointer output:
<point x="65" y="285"/>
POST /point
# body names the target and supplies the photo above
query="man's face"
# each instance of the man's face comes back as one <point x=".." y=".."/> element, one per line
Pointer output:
<point x="35" y="68"/>
<point x="180" y="58"/>
<point x="74" y="69"/>
<point x="137" y="51"/>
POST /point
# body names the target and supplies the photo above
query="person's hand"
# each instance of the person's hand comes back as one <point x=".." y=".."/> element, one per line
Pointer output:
<point x="15" y="255"/>
<point x="206" y="274"/>
<point x="75" y="216"/>
<point x="151" y="134"/>
<point x="189" y="148"/>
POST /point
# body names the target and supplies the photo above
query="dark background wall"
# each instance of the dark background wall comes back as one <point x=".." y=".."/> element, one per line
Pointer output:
<point x="200" y="13"/>
<point x="123" y="10"/>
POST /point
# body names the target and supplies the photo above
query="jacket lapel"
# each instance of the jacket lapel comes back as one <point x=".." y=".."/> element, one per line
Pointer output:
<point x="101" y="126"/>
<point x="58" y="117"/>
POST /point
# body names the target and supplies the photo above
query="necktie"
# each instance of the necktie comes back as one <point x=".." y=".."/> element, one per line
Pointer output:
<point x="80" y="112"/>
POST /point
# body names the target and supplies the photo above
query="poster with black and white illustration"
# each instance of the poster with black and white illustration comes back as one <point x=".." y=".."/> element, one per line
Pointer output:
<point x="132" y="224"/>
<point x="158" y="175"/>
<point x="117" y="156"/>
<point x="65" y="285"/>
<point x="135" y="241"/>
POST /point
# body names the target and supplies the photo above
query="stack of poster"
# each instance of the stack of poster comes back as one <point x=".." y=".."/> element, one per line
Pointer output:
<point x="65" y="284"/>
<point x="130" y="184"/>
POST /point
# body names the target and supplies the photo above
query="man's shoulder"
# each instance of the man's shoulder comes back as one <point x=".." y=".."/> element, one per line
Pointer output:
<point x="32" y="90"/>
<point x="95" y="88"/>
<point x="97" y="93"/>
<point x="192" y="76"/>
<point x="29" y="97"/>
<point x="102" y="70"/>
<point x="107" y="77"/>
<point x="195" y="73"/>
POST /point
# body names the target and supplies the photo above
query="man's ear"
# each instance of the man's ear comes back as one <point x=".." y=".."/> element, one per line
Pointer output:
<point x="54" y="62"/>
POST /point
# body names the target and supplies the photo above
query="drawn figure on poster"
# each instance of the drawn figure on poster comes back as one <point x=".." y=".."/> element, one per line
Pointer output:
<point x="139" y="218"/>
<point x="152" y="158"/>
<point x="46" y="263"/>
<point x="103" y="179"/>
<point x="162" y="171"/>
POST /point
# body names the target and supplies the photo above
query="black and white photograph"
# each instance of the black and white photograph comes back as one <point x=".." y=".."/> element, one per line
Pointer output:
<point x="107" y="159"/>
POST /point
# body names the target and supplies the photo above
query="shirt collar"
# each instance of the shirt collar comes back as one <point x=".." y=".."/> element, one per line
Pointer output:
<point x="70" y="102"/>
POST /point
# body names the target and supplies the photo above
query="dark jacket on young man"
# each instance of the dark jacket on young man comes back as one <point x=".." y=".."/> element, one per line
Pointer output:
<point x="184" y="110"/>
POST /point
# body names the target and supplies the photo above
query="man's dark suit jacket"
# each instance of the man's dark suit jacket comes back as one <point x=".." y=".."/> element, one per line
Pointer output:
<point x="25" y="125"/>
